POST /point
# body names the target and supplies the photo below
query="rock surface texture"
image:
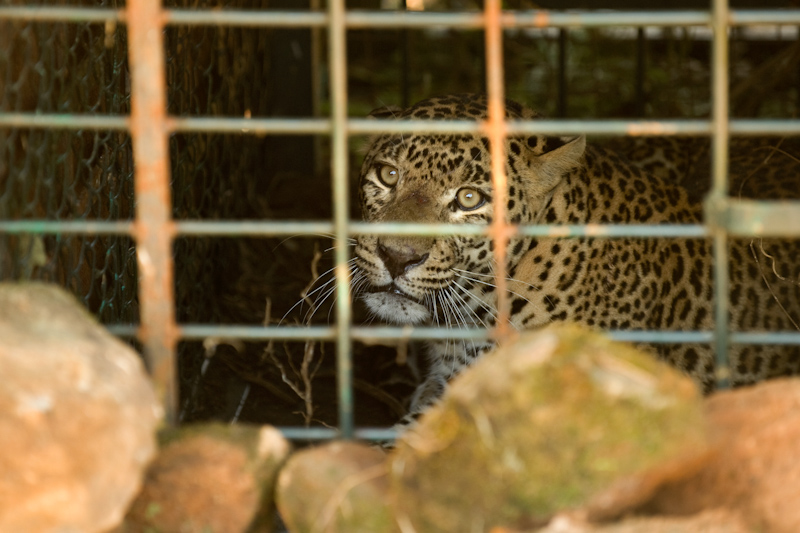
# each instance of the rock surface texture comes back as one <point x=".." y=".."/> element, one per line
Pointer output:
<point x="543" y="424"/>
<point x="77" y="416"/>
<point x="340" y="487"/>
<point x="210" y="479"/>
<point x="754" y="469"/>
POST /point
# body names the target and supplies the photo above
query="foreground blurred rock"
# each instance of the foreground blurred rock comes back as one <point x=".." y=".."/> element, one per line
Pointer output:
<point x="210" y="479"/>
<point x="755" y="468"/>
<point x="713" y="521"/>
<point x="338" y="487"/>
<point x="77" y="416"/>
<point x="544" y="424"/>
<point x="563" y="431"/>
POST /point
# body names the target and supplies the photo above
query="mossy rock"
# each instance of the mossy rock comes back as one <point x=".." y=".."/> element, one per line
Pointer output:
<point x="540" y="425"/>
<point x="336" y="487"/>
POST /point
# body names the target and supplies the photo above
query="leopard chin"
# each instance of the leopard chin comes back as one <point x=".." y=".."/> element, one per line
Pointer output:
<point x="395" y="307"/>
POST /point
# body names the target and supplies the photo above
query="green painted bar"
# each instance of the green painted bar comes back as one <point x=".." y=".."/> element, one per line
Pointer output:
<point x="253" y="228"/>
<point x="66" y="227"/>
<point x="756" y="17"/>
<point x="408" y="19"/>
<point x="321" y="433"/>
<point x="61" y="14"/>
<point x="764" y="127"/>
<point x="64" y="121"/>
<point x="719" y="184"/>
<point x="758" y="218"/>
<point x="260" y="18"/>
<point x="274" y="126"/>
<point x="382" y="333"/>
<point x="255" y="333"/>
<point x="534" y="230"/>
<point x="766" y="337"/>
<point x="359" y="126"/>
<point x="337" y="60"/>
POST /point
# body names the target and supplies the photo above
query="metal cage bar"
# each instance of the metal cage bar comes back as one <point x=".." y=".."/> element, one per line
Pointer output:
<point x="341" y="212"/>
<point x="153" y="228"/>
<point x="719" y="188"/>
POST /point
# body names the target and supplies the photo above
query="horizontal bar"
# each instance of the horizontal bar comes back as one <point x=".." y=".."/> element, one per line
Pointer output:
<point x="123" y="330"/>
<point x="756" y="218"/>
<point x="662" y="337"/>
<point x="67" y="227"/>
<point x="254" y="18"/>
<point x="766" y="337"/>
<point x="594" y="19"/>
<point x="61" y="14"/>
<point x="534" y="230"/>
<point x="276" y="126"/>
<point x="408" y="19"/>
<point x="320" y="433"/>
<point x="739" y="217"/>
<point x="64" y="121"/>
<point x="361" y="19"/>
<point x="764" y="127"/>
<point x="355" y="126"/>
<point x="190" y="332"/>
<point x="764" y="17"/>
<point x="384" y="333"/>
<point x="253" y="228"/>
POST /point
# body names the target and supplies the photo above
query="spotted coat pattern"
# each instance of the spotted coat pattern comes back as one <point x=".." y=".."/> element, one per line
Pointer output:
<point x="620" y="283"/>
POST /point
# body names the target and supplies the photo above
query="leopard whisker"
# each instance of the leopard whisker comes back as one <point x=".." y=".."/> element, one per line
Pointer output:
<point x="489" y="309"/>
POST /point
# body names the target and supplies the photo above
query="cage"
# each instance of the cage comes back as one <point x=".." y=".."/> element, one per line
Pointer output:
<point x="191" y="188"/>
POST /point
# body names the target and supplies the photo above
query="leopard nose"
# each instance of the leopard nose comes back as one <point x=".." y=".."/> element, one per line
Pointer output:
<point x="398" y="261"/>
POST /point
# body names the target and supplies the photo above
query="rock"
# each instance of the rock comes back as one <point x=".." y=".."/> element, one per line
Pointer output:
<point x="210" y="478"/>
<point x="713" y="521"/>
<point x="337" y="487"/>
<point x="541" y="425"/>
<point x="77" y="416"/>
<point x="755" y="470"/>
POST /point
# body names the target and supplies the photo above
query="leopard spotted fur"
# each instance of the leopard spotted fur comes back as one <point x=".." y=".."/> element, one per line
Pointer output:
<point x="607" y="283"/>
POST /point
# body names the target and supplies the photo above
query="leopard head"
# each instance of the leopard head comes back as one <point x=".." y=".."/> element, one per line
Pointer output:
<point x="431" y="178"/>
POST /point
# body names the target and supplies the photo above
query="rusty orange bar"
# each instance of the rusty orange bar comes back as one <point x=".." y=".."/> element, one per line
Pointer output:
<point x="153" y="226"/>
<point x="500" y="231"/>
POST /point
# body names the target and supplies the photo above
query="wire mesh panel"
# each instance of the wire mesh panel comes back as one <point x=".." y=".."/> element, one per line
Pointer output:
<point x="53" y="174"/>
<point x="253" y="157"/>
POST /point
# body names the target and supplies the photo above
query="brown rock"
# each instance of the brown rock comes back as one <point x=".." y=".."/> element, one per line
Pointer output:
<point x="337" y="487"/>
<point x="755" y="469"/>
<point x="77" y="416"/>
<point x="213" y="478"/>
<point x="712" y="521"/>
<point x="541" y="425"/>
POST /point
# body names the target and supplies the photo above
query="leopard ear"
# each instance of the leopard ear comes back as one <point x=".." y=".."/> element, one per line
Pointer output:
<point x="559" y="156"/>
<point x="388" y="111"/>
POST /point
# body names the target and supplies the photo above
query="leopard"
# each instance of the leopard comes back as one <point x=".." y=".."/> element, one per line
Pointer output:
<point x="621" y="283"/>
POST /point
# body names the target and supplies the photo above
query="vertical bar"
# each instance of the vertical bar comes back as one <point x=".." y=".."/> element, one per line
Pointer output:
<point x="341" y="212"/>
<point x="719" y="189"/>
<point x="496" y="132"/>
<point x="405" y="52"/>
<point x="641" y="54"/>
<point x="562" y="72"/>
<point x="153" y="229"/>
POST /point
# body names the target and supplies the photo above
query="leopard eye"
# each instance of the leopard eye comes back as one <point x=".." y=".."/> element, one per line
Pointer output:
<point x="388" y="175"/>
<point x="469" y="199"/>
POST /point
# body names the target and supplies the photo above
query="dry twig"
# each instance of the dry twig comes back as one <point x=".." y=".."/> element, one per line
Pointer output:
<point x="301" y="382"/>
